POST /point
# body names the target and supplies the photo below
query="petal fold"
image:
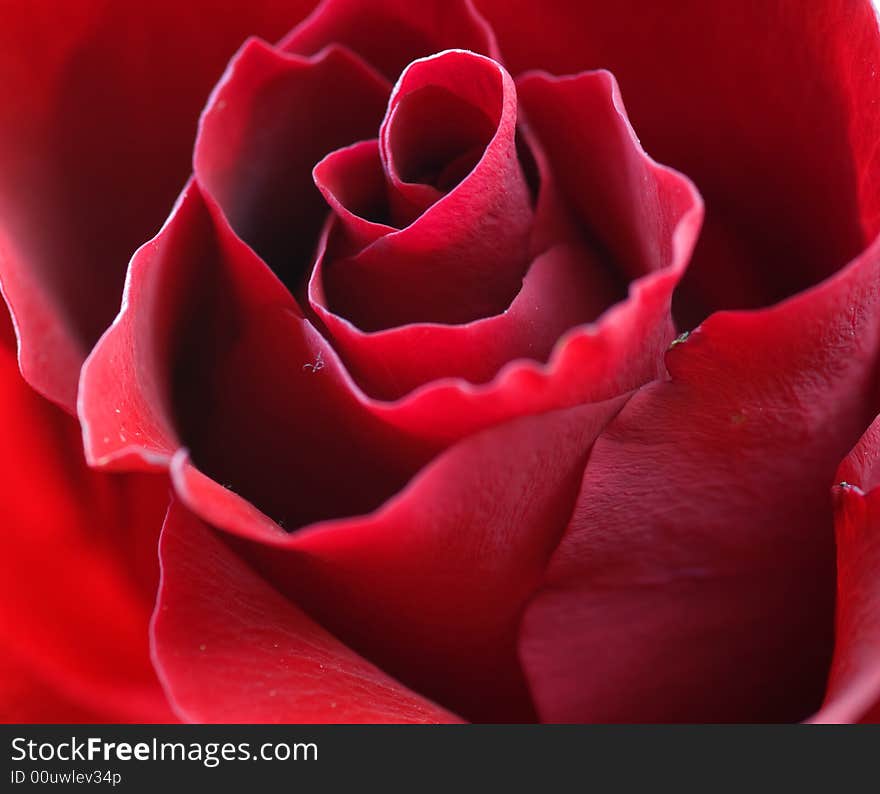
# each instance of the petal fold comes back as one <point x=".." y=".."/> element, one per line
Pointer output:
<point x="259" y="659"/>
<point x="88" y="166"/>
<point x="210" y="353"/>
<point x="431" y="586"/>
<point x="270" y="119"/>
<point x="695" y="581"/>
<point x="559" y="292"/>
<point x="854" y="686"/>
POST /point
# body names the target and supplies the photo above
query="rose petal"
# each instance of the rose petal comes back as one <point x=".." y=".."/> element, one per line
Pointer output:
<point x="211" y="353"/>
<point x="772" y="112"/>
<point x="461" y="254"/>
<point x="854" y="687"/>
<point x="88" y="166"/>
<point x="78" y="572"/>
<point x="126" y="391"/>
<point x="271" y="118"/>
<point x="392" y="33"/>
<point x="449" y="114"/>
<point x="695" y="581"/>
<point x="273" y="418"/>
<point x="269" y="662"/>
<point x="432" y="585"/>
<point x="352" y="181"/>
<point x="561" y="290"/>
<point x="619" y="352"/>
<point x="616" y="194"/>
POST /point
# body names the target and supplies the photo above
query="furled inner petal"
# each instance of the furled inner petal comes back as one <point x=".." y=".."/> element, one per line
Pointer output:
<point x="605" y="216"/>
<point x="456" y="211"/>
<point x="430" y="140"/>
<point x="353" y="182"/>
<point x="564" y="287"/>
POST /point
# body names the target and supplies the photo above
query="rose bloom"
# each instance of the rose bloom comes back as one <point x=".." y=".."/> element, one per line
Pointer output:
<point x="491" y="360"/>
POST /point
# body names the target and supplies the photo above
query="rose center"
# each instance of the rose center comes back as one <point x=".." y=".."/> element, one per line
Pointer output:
<point x="436" y="138"/>
<point x="432" y="219"/>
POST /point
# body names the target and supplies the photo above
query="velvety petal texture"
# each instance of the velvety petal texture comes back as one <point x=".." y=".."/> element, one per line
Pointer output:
<point x="695" y="581"/>
<point x="98" y="107"/>
<point x="854" y="686"/>
<point x="78" y="571"/>
<point x="258" y="659"/>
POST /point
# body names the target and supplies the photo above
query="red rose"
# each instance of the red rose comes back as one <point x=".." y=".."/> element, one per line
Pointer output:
<point x="401" y="364"/>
